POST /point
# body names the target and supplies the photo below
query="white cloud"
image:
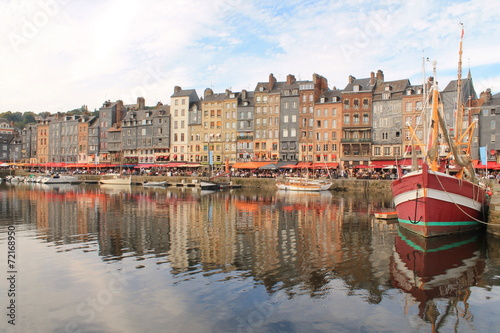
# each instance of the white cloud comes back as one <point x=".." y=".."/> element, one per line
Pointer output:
<point x="83" y="52"/>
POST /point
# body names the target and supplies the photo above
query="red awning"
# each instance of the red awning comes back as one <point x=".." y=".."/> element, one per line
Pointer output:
<point x="144" y="166"/>
<point x="303" y="165"/>
<point x="288" y="166"/>
<point x="381" y="164"/>
<point x="492" y="165"/>
<point x="363" y="166"/>
<point x="249" y="165"/>
<point x="324" y="165"/>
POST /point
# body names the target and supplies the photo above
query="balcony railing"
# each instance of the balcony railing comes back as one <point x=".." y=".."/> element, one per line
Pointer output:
<point x="344" y="140"/>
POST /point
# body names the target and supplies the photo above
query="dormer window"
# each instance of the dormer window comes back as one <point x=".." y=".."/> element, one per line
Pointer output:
<point x="356" y="87"/>
<point x="322" y="100"/>
<point x="261" y="88"/>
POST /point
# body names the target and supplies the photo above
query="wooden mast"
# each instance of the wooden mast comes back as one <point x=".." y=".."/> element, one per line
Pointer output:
<point x="459" y="106"/>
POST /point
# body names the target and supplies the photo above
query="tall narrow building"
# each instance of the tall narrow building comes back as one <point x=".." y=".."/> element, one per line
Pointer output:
<point x="180" y="102"/>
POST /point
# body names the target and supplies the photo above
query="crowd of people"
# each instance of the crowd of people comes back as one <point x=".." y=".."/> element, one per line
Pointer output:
<point x="369" y="173"/>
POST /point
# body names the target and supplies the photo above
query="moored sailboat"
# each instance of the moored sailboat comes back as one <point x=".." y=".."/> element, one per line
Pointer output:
<point x="431" y="202"/>
<point x="302" y="184"/>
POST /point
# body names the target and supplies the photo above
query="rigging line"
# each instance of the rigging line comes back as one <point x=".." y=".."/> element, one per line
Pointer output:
<point x="460" y="208"/>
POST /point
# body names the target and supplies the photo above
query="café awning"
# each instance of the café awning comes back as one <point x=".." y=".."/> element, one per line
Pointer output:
<point x="249" y="165"/>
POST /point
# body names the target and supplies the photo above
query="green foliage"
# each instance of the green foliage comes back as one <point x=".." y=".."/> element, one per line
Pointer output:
<point x="19" y="119"/>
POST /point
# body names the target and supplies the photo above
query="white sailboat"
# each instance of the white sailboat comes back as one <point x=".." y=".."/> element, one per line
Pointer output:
<point x="116" y="179"/>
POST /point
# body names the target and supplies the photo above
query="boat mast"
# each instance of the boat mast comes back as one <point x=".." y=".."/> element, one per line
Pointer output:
<point x="433" y="144"/>
<point x="459" y="105"/>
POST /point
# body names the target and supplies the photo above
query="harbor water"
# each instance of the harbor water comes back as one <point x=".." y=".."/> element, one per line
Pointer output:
<point x="90" y="258"/>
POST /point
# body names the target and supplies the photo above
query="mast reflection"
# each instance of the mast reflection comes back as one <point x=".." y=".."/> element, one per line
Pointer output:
<point x="435" y="270"/>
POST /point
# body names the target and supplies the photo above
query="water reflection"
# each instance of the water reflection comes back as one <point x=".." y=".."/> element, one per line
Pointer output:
<point x="254" y="245"/>
<point x="281" y="240"/>
<point x="439" y="269"/>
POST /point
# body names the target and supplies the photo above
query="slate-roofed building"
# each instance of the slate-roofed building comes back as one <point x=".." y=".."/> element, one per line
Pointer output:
<point x="309" y="92"/>
<point x="180" y="103"/>
<point x="412" y="117"/>
<point x="266" y="130"/>
<point x="161" y="132"/>
<point x="387" y="119"/>
<point x="245" y="130"/>
<point x="109" y="114"/>
<point x="137" y="134"/>
<point x="357" y="119"/>
<point x="328" y="128"/>
<point x="29" y="143"/>
<point x="488" y="130"/>
<point x="93" y="140"/>
<point x="289" y="120"/>
<point x="212" y="108"/>
<point x="63" y="138"/>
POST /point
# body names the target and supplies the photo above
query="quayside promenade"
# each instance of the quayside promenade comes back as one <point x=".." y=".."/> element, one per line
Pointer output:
<point x="349" y="184"/>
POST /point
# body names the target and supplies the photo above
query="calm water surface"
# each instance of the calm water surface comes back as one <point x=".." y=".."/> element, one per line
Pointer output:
<point x="111" y="259"/>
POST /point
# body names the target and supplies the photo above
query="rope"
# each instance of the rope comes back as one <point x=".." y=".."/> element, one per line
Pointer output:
<point x="460" y="208"/>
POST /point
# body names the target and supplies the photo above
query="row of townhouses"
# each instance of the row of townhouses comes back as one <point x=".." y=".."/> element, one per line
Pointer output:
<point x="288" y="121"/>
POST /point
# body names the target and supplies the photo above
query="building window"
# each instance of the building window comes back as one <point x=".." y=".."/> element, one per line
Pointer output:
<point x="346" y="119"/>
<point x="355" y="103"/>
<point x="355" y="119"/>
<point x="366" y="118"/>
<point x="346" y="104"/>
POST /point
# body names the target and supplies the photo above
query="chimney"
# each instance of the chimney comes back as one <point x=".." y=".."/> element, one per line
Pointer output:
<point x="177" y="89"/>
<point x="320" y="82"/>
<point x="141" y="103"/>
<point x="485" y="96"/>
<point x="351" y="79"/>
<point x="208" y="92"/>
<point x="290" y="79"/>
<point x="372" y="78"/>
<point x="272" y="81"/>
<point x="244" y="94"/>
<point x="380" y="75"/>
<point x="227" y="93"/>
<point x="120" y="111"/>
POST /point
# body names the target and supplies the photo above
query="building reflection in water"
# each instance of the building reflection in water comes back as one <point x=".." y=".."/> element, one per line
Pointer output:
<point x="296" y="242"/>
<point x="437" y="270"/>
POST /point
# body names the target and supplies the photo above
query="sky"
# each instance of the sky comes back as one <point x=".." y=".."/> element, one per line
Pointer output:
<point x="57" y="55"/>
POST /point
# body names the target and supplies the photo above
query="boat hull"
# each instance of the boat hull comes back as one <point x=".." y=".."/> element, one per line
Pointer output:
<point x="209" y="186"/>
<point x="62" y="180"/>
<point x="116" y="180"/>
<point x="433" y="203"/>
<point x="303" y="185"/>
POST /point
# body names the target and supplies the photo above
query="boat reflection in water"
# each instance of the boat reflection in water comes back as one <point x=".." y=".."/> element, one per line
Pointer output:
<point x="435" y="270"/>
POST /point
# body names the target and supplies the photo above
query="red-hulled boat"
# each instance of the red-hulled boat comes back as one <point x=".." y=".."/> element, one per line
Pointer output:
<point x="431" y="202"/>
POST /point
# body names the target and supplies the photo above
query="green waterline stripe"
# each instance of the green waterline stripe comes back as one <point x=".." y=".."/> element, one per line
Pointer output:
<point x="440" y="224"/>
<point x="442" y="248"/>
